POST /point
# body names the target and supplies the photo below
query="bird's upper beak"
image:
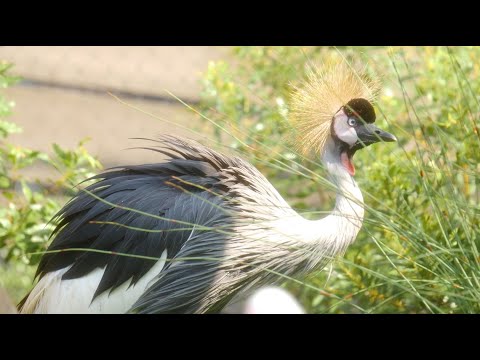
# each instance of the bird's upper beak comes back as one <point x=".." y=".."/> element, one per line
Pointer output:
<point x="369" y="134"/>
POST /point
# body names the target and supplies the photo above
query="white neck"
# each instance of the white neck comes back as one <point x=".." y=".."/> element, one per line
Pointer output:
<point x="340" y="228"/>
<point x="332" y="234"/>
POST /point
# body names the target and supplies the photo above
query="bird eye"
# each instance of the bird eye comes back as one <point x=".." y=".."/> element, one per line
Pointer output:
<point x="352" y="122"/>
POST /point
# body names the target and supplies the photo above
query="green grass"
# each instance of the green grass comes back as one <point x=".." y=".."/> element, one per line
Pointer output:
<point x="418" y="249"/>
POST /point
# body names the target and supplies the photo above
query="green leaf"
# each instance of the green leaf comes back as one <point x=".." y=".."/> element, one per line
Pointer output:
<point x="27" y="192"/>
<point x="4" y="182"/>
<point x="7" y="128"/>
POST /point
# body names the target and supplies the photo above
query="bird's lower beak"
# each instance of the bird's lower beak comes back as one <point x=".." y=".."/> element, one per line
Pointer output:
<point x="369" y="134"/>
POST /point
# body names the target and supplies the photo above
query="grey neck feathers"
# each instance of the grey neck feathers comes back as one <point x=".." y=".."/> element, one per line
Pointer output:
<point x="329" y="236"/>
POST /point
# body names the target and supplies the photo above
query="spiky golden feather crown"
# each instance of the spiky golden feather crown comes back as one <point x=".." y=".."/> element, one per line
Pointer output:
<point x="316" y="101"/>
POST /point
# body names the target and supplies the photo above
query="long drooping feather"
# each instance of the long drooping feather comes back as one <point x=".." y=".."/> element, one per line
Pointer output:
<point x="197" y="189"/>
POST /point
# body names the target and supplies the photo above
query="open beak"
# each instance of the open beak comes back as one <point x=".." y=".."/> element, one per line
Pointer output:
<point x="369" y="134"/>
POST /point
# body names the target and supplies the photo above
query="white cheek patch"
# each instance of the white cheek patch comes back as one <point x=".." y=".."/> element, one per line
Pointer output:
<point x="344" y="131"/>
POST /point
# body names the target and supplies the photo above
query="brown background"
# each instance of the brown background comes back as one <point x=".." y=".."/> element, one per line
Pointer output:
<point x="63" y="97"/>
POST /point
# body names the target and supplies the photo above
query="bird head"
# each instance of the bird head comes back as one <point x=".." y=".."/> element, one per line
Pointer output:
<point x="333" y="111"/>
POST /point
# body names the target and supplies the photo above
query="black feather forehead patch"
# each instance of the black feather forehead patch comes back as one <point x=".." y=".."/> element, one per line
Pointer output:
<point x="361" y="109"/>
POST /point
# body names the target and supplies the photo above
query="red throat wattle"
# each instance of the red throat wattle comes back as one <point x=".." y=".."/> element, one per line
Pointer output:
<point x="347" y="162"/>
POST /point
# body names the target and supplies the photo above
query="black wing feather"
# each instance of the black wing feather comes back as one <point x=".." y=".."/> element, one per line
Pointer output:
<point x="146" y="188"/>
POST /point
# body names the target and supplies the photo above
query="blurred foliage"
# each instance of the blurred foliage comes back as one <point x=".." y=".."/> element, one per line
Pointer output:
<point x="28" y="206"/>
<point x="418" y="249"/>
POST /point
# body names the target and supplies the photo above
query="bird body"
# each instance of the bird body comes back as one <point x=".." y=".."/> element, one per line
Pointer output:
<point x="189" y="234"/>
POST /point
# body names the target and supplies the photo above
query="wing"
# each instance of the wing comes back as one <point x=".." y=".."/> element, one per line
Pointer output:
<point x="174" y="202"/>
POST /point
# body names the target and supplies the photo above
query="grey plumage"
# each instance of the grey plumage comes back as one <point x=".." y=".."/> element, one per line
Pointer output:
<point x="243" y="258"/>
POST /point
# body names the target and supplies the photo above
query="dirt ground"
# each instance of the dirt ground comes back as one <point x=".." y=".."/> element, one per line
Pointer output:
<point x="64" y="98"/>
<point x="137" y="69"/>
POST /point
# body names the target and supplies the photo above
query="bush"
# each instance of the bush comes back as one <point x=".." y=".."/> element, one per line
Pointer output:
<point x="27" y="207"/>
<point x="418" y="249"/>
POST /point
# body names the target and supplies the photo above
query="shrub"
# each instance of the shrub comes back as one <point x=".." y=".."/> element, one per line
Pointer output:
<point x="28" y="206"/>
<point x="418" y="249"/>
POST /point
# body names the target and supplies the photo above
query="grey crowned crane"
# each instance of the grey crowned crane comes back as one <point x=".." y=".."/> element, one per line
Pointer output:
<point x="202" y="228"/>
